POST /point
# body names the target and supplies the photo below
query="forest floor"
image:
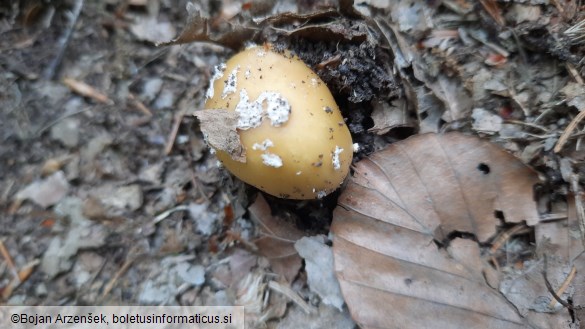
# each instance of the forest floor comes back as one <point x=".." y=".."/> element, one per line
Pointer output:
<point x="110" y="196"/>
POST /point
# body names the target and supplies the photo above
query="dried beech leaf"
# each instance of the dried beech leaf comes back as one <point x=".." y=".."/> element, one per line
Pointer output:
<point x="401" y="48"/>
<point x="197" y="29"/>
<point x="402" y="199"/>
<point x="277" y="241"/>
<point x="332" y="31"/>
<point x="454" y="96"/>
<point x="290" y="17"/>
<point x="387" y="117"/>
<point x="219" y="128"/>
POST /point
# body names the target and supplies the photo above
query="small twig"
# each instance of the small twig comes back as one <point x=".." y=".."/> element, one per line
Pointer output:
<point x="288" y="292"/>
<point x="176" y="77"/>
<point x="56" y="121"/>
<point x="527" y="124"/>
<point x="86" y="90"/>
<point x="125" y="267"/>
<point x="21" y="276"/>
<point x="174" y="132"/>
<point x="139" y="105"/>
<point x="550" y="288"/>
<point x="553" y="217"/>
<point x="505" y="236"/>
<point x="574" y="73"/>
<point x="4" y="252"/>
<point x="564" y="286"/>
<point x="167" y="213"/>
<point x="49" y="72"/>
<point x="542" y="115"/>
<point x="568" y="131"/>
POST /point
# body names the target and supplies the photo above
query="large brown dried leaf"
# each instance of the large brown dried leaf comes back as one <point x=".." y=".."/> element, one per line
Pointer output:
<point x="402" y="199"/>
<point x="277" y="240"/>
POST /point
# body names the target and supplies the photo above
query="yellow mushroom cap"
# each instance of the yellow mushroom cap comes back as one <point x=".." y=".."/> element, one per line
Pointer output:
<point x="296" y="142"/>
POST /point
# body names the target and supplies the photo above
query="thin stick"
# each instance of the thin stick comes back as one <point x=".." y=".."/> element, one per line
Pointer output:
<point x="8" y="259"/>
<point x="574" y="73"/>
<point x="20" y="277"/>
<point x="568" y="131"/>
<point x="504" y="236"/>
<point x="288" y="292"/>
<point x="174" y="132"/>
<point x="56" y="121"/>
<point x="167" y="213"/>
<point x="86" y="90"/>
<point x="139" y="105"/>
<point x="527" y="124"/>
<point x="125" y="267"/>
<point x="550" y="288"/>
<point x="564" y="286"/>
<point x="49" y="72"/>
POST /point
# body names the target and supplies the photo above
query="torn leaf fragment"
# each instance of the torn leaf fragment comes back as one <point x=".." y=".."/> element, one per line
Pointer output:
<point x="219" y="129"/>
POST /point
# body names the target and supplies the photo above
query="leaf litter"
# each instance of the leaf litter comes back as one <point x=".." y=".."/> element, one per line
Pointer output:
<point x="508" y="72"/>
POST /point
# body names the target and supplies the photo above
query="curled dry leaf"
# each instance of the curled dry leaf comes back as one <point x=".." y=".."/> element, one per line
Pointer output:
<point x="403" y="199"/>
<point x="334" y="31"/>
<point x="389" y="116"/>
<point x="198" y="29"/>
<point x="215" y="124"/>
<point x="291" y="18"/>
<point x="277" y="240"/>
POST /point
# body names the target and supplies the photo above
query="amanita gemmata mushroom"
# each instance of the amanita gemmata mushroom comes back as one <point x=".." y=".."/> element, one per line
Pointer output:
<point x="295" y="141"/>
